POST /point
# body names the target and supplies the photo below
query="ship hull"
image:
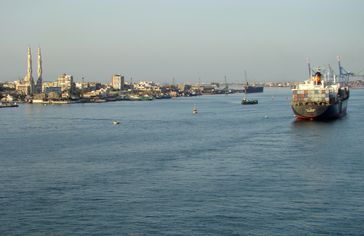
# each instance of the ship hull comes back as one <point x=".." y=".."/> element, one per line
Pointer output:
<point x="249" y="102"/>
<point x="253" y="89"/>
<point x="8" y="105"/>
<point x="320" y="112"/>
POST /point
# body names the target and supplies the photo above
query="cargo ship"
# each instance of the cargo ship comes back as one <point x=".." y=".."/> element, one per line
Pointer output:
<point x="323" y="96"/>
<point x="253" y="89"/>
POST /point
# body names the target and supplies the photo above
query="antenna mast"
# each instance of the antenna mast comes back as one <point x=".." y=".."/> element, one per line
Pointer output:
<point x="309" y="67"/>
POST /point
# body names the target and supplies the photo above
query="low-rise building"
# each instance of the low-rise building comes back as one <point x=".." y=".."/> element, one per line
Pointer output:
<point x="147" y="86"/>
<point x="54" y="96"/>
<point x="8" y="85"/>
<point x="48" y="90"/>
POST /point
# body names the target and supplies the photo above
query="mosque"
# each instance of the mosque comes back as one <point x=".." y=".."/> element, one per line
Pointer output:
<point x="27" y="86"/>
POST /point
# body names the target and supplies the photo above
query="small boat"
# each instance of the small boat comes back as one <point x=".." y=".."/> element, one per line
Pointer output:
<point x="59" y="102"/>
<point x="247" y="101"/>
<point x="134" y="97"/>
<point x="99" y="100"/>
<point x="163" y="96"/>
<point x="115" y="122"/>
<point x="8" y="102"/>
<point x="194" y="109"/>
<point x="146" y="98"/>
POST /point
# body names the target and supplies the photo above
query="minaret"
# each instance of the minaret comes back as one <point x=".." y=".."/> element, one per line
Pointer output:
<point x="39" y="80"/>
<point x="29" y="77"/>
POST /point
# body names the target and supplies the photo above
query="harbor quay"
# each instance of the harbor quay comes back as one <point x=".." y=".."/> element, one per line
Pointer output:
<point x="66" y="90"/>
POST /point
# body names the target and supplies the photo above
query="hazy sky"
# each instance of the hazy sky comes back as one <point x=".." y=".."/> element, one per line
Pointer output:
<point x="185" y="39"/>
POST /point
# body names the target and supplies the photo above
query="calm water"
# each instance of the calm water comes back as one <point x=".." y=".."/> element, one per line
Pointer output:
<point x="229" y="170"/>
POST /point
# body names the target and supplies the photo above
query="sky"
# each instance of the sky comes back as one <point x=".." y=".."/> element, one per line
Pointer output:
<point x="185" y="41"/>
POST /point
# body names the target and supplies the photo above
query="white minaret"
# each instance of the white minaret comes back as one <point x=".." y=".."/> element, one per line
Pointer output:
<point x="29" y="77"/>
<point x="39" y="80"/>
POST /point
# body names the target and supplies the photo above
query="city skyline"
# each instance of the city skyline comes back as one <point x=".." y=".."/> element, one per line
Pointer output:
<point x="181" y="41"/>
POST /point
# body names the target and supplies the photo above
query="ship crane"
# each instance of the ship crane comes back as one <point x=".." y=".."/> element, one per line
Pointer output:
<point x="344" y="74"/>
<point x="359" y="74"/>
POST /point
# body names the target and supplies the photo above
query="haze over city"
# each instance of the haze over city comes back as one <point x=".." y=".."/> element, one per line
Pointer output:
<point x="185" y="40"/>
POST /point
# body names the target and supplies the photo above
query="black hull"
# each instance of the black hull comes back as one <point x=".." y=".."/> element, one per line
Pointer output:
<point x="253" y="89"/>
<point x="8" y="106"/>
<point x="321" y="112"/>
<point x="249" y="102"/>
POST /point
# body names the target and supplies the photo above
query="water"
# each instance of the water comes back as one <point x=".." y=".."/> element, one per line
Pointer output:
<point x="228" y="170"/>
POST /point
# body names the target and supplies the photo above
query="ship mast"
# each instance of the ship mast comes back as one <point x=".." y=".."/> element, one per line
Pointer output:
<point x="309" y="67"/>
<point x="246" y="80"/>
<point x="226" y="85"/>
<point x="340" y="68"/>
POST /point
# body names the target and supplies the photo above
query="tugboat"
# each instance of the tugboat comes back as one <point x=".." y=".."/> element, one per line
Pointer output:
<point x="323" y="96"/>
<point x="247" y="101"/>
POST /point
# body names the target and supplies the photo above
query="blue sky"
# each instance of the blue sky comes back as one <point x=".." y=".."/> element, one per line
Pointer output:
<point x="187" y="39"/>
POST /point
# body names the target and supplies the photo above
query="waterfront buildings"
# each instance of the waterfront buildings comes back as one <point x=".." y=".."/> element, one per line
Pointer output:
<point x="88" y="86"/>
<point x="51" y="87"/>
<point x="147" y="86"/>
<point x="117" y="82"/>
<point x="7" y="86"/>
<point x="65" y="82"/>
<point x="64" y="86"/>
